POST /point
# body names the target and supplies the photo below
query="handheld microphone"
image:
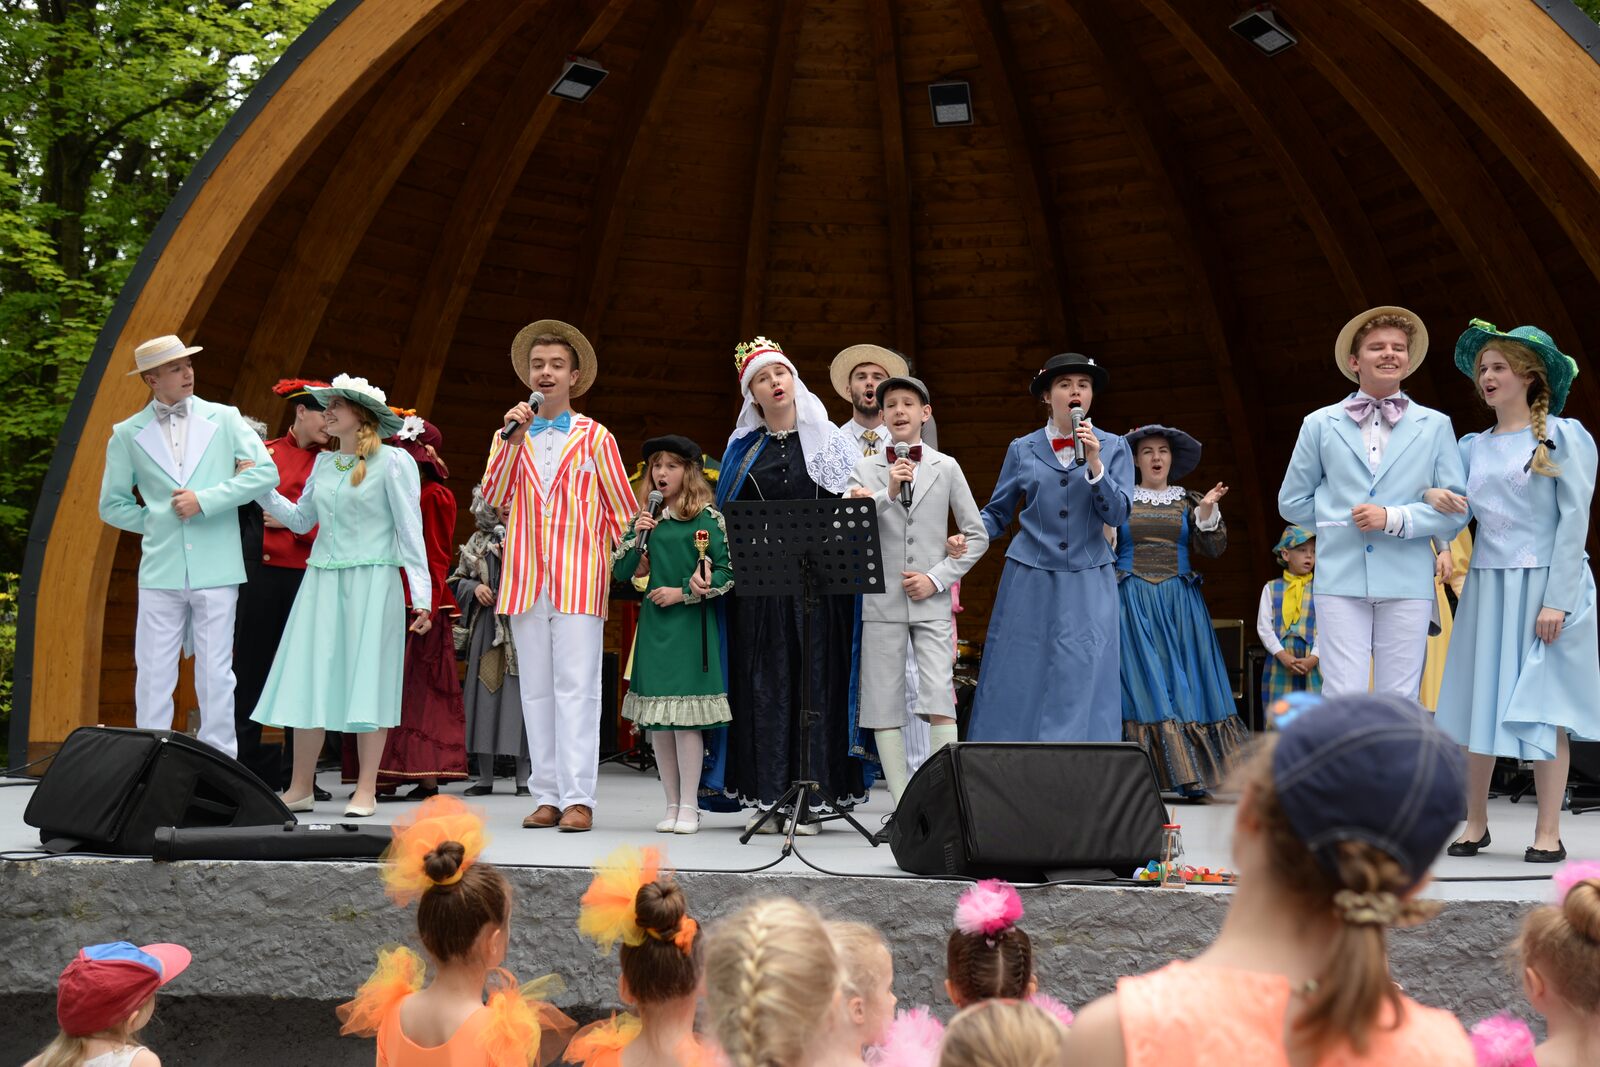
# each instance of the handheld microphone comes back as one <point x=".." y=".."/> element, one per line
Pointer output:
<point x="903" y="451"/>
<point x="650" y="505"/>
<point x="1077" y="442"/>
<point x="535" y="399"/>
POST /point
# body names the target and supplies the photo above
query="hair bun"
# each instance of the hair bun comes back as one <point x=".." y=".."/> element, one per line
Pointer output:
<point x="660" y="906"/>
<point x="444" y="862"/>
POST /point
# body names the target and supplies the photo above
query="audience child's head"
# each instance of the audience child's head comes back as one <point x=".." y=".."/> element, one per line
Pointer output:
<point x="106" y="995"/>
<point x="866" y="982"/>
<point x="633" y="901"/>
<point x="1002" y="1033"/>
<point x="1343" y="850"/>
<point x="1560" y="948"/>
<point x="906" y="408"/>
<point x="464" y="905"/>
<point x="988" y="955"/>
<point x="674" y="467"/>
<point x="772" y="979"/>
<point x="1296" y="550"/>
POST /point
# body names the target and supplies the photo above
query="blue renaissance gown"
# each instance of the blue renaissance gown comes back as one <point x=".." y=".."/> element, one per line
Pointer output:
<point x="1505" y="692"/>
<point x="1177" y="701"/>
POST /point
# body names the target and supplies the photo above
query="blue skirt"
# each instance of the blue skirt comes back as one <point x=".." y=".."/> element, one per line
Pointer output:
<point x="1177" y="701"/>
<point x="1507" y="693"/>
<point x="1048" y="676"/>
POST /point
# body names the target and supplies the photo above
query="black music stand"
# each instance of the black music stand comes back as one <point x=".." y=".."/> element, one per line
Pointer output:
<point x="809" y="549"/>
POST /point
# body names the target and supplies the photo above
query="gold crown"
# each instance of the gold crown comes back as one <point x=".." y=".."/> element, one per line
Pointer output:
<point x="744" y="350"/>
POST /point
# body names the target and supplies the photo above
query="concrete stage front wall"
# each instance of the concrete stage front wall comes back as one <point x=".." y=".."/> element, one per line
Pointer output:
<point x="309" y="931"/>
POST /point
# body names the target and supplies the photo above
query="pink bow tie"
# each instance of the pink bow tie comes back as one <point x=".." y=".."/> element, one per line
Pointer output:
<point x="1392" y="407"/>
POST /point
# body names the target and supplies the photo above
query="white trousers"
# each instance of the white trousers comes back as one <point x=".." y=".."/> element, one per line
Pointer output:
<point x="1383" y="639"/>
<point x="558" y="662"/>
<point x="166" y="616"/>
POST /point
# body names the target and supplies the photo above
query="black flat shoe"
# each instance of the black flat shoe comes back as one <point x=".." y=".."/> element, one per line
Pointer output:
<point x="1469" y="848"/>
<point x="320" y="793"/>
<point x="524" y="791"/>
<point x="477" y="790"/>
<point x="1545" y="855"/>
<point x="421" y="792"/>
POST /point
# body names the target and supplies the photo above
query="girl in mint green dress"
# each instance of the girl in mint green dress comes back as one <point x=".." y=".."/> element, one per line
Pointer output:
<point x="340" y="663"/>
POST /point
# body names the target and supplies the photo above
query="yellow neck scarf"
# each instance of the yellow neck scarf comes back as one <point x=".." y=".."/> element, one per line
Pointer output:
<point x="1296" y="587"/>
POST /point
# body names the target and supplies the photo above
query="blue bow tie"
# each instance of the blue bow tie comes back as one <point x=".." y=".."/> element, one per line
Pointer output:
<point x="540" y="424"/>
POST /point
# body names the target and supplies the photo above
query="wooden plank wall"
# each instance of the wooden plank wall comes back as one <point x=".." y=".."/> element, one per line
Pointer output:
<point x="1138" y="185"/>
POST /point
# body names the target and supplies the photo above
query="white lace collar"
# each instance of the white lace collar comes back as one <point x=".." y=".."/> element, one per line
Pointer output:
<point x="1170" y="495"/>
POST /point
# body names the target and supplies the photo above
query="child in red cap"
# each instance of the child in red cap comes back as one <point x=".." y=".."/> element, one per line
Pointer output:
<point x="103" y="998"/>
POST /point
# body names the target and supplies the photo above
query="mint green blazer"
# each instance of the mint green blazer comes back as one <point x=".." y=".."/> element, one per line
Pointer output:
<point x="203" y="552"/>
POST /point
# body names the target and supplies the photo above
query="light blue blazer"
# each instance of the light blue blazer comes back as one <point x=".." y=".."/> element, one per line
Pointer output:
<point x="1328" y="475"/>
<point x="203" y="552"/>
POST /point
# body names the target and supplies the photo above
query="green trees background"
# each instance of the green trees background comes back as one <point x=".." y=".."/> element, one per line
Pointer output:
<point x="105" y="107"/>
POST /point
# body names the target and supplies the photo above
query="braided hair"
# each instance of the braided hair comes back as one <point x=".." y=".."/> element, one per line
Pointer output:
<point x="771" y="978"/>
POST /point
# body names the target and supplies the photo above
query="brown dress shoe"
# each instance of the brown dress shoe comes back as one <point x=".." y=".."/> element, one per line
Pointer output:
<point x="576" y="819"/>
<point x="543" y="817"/>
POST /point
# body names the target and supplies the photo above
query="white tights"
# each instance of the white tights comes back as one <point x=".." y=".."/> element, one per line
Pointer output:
<point x="679" y="754"/>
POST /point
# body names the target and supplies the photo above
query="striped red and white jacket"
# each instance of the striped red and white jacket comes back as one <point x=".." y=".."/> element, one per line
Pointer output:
<point x="559" y="537"/>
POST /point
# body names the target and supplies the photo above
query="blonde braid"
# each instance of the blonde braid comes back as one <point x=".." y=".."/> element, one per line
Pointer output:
<point x="367" y="443"/>
<point x="1540" y="412"/>
<point x="771" y="975"/>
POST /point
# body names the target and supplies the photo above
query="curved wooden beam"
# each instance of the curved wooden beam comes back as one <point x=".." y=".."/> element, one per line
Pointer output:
<point x="633" y="141"/>
<point x="1128" y="88"/>
<point x="774" y="107"/>
<point x="171" y="289"/>
<point x="1382" y="88"/>
<point x="374" y="159"/>
<point x="519" y="123"/>
<point x="1542" y="117"/>
<point x="1282" y="126"/>
<point x="997" y="58"/>
<point x="896" y="179"/>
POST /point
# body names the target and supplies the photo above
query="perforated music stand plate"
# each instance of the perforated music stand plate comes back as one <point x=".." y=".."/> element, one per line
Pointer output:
<point x="767" y="540"/>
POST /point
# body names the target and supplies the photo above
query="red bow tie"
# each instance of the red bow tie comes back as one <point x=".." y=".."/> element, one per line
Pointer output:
<point x="1061" y="444"/>
<point x="914" y="455"/>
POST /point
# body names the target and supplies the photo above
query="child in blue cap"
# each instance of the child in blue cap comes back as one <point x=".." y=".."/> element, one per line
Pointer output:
<point x="104" y="997"/>
<point x="1286" y="622"/>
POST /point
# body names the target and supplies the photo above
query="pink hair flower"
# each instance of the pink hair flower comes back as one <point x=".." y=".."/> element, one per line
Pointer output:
<point x="1572" y="873"/>
<point x="912" y="1040"/>
<point x="989" y="908"/>
<point x="1503" y="1042"/>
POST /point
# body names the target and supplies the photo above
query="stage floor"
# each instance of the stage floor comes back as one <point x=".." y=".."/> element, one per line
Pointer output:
<point x="630" y="802"/>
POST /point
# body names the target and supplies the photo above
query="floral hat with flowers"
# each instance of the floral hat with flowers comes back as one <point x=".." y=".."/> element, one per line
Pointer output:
<point x="360" y="391"/>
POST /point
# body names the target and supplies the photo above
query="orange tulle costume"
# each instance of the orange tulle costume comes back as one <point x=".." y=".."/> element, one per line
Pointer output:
<point x="600" y="1045"/>
<point x="515" y="1028"/>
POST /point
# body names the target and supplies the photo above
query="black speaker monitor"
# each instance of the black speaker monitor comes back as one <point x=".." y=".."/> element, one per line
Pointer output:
<point x="109" y="789"/>
<point x="1029" y="811"/>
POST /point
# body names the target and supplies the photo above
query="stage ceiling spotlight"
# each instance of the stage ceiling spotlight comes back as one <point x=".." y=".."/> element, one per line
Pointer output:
<point x="951" y="102"/>
<point x="1260" y="26"/>
<point x="578" y="79"/>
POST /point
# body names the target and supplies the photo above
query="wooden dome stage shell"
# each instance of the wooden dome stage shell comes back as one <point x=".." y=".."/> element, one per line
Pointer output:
<point x="401" y="194"/>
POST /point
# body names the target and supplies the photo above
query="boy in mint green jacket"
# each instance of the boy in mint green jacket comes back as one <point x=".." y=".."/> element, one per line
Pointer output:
<point x="194" y="463"/>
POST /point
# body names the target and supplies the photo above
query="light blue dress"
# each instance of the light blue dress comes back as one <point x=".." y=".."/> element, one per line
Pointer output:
<point x="1505" y="692"/>
<point x="341" y="662"/>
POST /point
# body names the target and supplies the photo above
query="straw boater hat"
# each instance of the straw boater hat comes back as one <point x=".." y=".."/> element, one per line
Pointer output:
<point x="1559" y="367"/>
<point x="1344" y="347"/>
<point x="522" y="345"/>
<point x="360" y="391"/>
<point x="846" y="362"/>
<point x="160" y="350"/>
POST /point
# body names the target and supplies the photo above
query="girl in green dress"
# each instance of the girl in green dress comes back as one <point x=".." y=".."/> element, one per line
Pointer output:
<point x="676" y="689"/>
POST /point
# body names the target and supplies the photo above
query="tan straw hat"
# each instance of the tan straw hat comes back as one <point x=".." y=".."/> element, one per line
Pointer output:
<point x="159" y="350"/>
<point x="1344" y="347"/>
<point x="845" y="363"/>
<point x="522" y="345"/>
